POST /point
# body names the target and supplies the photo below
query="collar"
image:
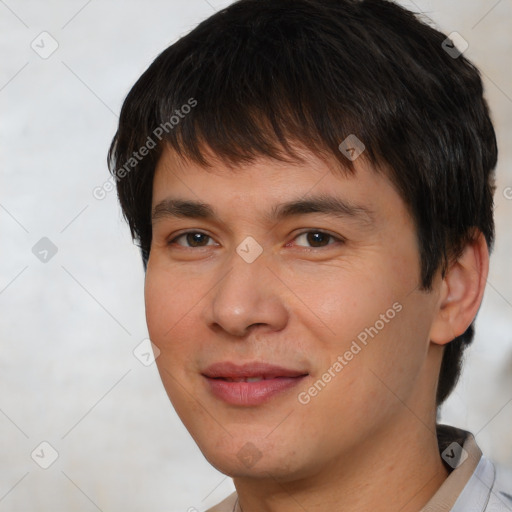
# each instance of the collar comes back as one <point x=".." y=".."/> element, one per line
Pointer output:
<point x="470" y="483"/>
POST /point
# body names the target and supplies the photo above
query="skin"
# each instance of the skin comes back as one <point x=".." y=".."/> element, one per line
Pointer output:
<point x="367" y="440"/>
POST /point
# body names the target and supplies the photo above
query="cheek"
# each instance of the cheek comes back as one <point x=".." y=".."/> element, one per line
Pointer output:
<point x="375" y="319"/>
<point x="168" y="303"/>
<point x="173" y="303"/>
<point x="168" y="299"/>
<point x="394" y="357"/>
<point x="372" y="387"/>
<point x="159" y="300"/>
<point x="338" y="302"/>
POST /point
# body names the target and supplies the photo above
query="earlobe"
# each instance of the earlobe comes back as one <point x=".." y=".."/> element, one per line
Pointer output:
<point x="461" y="292"/>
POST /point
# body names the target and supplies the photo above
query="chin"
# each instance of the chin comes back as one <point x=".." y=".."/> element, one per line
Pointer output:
<point x="245" y="459"/>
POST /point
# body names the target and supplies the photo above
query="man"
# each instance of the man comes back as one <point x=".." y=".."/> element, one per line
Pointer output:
<point x="310" y="183"/>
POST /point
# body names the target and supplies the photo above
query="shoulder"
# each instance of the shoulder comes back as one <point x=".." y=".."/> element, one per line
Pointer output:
<point x="226" y="505"/>
<point x="488" y="490"/>
<point x="500" y="499"/>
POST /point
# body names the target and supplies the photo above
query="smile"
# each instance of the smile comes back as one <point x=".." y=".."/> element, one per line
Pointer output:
<point x="250" y="384"/>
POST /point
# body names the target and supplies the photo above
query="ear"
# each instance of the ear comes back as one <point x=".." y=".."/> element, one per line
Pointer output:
<point x="461" y="292"/>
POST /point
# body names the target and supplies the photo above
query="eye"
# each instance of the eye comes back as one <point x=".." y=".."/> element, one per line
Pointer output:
<point x="194" y="238"/>
<point x="317" y="239"/>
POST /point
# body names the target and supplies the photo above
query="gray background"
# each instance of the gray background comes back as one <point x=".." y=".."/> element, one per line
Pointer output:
<point x="68" y="375"/>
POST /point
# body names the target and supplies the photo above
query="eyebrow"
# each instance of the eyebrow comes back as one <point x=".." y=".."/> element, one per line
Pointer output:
<point x="324" y="203"/>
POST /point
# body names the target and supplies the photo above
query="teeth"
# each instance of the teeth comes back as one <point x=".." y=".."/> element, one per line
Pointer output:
<point x="247" y="379"/>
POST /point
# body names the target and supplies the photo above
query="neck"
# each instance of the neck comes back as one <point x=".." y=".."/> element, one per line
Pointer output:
<point x="397" y="469"/>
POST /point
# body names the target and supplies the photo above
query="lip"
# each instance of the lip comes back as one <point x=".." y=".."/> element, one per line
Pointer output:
<point x="276" y="380"/>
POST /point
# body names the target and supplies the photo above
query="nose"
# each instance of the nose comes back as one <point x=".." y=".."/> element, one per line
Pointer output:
<point x="248" y="295"/>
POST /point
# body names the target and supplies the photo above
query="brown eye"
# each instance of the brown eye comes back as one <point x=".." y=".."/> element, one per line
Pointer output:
<point x="317" y="239"/>
<point x="192" y="239"/>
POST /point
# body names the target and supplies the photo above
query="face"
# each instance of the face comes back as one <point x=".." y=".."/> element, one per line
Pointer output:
<point x="286" y="310"/>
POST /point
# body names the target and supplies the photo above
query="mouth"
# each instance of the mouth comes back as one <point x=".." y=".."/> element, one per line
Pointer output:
<point x="245" y="379"/>
<point x="250" y="384"/>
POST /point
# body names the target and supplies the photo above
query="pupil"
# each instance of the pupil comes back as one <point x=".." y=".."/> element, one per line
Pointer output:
<point x="314" y="238"/>
<point x="194" y="238"/>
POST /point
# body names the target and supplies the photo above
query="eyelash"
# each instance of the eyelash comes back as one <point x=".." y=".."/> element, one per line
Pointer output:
<point x="336" y="238"/>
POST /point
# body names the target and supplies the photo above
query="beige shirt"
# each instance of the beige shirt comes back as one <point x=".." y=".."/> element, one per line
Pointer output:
<point x="471" y="486"/>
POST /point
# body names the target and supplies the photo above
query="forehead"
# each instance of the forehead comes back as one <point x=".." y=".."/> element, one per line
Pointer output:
<point x="272" y="187"/>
